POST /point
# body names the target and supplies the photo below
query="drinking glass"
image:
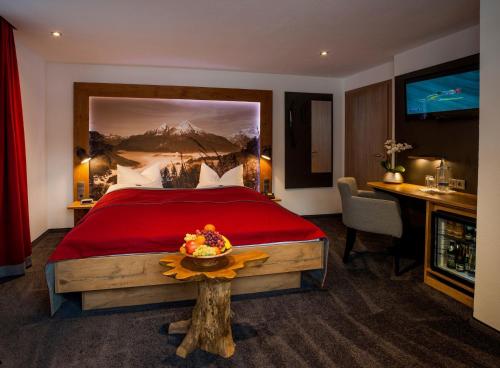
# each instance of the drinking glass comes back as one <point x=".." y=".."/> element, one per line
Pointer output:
<point x="430" y="182"/>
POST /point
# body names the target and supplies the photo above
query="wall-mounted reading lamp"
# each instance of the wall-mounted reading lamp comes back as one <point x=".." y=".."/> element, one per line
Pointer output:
<point x="266" y="153"/>
<point x="424" y="157"/>
<point x="82" y="154"/>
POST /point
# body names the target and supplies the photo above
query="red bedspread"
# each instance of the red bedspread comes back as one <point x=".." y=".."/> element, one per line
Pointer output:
<point x="145" y="221"/>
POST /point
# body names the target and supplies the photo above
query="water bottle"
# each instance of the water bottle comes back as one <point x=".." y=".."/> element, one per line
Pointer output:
<point x="443" y="176"/>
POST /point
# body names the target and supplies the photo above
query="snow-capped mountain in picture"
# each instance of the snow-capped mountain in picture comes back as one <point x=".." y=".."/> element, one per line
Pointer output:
<point x="187" y="128"/>
<point x="183" y="128"/>
<point x="184" y="137"/>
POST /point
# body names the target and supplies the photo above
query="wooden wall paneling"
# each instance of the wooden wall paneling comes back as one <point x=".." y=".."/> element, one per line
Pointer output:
<point x="83" y="91"/>
<point x="368" y="124"/>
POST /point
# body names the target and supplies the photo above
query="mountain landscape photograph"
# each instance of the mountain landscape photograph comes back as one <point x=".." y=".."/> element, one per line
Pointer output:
<point x="178" y="134"/>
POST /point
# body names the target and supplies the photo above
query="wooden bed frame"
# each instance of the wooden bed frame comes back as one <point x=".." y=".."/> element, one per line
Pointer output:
<point x="126" y="280"/>
<point x="136" y="279"/>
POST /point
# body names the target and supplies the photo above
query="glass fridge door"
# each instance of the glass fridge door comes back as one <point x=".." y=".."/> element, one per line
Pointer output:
<point x="454" y="247"/>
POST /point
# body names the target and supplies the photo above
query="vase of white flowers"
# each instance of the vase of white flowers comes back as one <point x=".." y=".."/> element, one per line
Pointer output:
<point x="393" y="173"/>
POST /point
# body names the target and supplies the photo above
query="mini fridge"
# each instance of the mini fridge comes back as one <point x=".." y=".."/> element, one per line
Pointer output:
<point x="453" y="251"/>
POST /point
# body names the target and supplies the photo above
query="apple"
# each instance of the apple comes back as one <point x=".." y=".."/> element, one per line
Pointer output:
<point x="191" y="246"/>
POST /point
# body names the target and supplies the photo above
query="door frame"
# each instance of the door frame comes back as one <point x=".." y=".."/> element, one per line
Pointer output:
<point x="347" y="132"/>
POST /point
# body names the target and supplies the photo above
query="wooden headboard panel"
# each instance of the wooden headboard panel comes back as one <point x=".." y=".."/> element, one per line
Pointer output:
<point x="84" y="91"/>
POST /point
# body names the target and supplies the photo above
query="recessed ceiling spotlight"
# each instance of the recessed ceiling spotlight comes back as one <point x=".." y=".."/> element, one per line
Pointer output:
<point x="56" y="34"/>
<point x="323" y="53"/>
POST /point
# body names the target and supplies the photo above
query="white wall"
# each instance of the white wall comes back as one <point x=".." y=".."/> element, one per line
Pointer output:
<point x="451" y="47"/>
<point x="373" y="75"/>
<point x="487" y="293"/>
<point x="32" y="78"/>
<point x="60" y="78"/>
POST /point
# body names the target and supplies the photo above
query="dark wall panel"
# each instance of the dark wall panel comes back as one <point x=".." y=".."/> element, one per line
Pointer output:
<point x="456" y="139"/>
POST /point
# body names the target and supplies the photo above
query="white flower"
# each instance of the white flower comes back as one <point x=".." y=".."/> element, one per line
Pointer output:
<point x="393" y="147"/>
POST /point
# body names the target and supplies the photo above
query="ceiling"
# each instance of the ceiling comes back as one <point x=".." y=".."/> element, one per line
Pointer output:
<point x="270" y="36"/>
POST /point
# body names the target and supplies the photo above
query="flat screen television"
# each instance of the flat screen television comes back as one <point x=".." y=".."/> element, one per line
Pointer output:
<point x="452" y="95"/>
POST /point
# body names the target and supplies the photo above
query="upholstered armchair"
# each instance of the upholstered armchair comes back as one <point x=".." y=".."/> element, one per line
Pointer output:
<point x="374" y="212"/>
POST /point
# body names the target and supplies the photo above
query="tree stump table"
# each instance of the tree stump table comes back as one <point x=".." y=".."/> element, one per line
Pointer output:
<point x="210" y="325"/>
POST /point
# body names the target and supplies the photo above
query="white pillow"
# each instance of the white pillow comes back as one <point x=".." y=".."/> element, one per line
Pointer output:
<point x="114" y="187"/>
<point x="209" y="178"/>
<point x="153" y="173"/>
<point x="149" y="177"/>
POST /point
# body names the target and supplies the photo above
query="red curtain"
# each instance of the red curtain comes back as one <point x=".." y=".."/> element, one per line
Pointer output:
<point x="15" y="242"/>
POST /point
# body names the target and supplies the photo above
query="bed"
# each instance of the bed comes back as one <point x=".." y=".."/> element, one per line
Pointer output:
<point x="112" y="256"/>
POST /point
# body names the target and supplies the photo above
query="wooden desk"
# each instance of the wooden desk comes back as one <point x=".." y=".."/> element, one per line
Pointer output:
<point x="462" y="204"/>
<point x="458" y="200"/>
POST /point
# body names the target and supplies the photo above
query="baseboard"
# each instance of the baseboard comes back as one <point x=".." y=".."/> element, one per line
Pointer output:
<point x="40" y="238"/>
<point x="46" y="232"/>
<point x="60" y="230"/>
<point x="488" y="330"/>
<point x="322" y="215"/>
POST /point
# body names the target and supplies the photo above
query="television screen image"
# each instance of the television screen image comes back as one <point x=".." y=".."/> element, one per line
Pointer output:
<point x="452" y="92"/>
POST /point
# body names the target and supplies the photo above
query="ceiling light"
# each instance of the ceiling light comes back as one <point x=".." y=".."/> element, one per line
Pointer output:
<point x="323" y="53"/>
<point x="56" y="34"/>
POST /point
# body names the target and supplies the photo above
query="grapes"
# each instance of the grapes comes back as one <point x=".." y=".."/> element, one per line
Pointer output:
<point x="203" y="250"/>
<point x="212" y="238"/>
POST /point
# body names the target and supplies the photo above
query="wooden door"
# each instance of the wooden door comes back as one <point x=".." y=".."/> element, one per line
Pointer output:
<point x="368" y="115"/>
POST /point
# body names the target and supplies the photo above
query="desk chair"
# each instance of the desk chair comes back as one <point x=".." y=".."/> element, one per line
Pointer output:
<point x="374" y="212"/>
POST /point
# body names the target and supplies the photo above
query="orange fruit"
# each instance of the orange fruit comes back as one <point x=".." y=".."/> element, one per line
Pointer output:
<point x="217" y="250"/>
<point x="209" y="227"/>
<point x="200" y="239"/>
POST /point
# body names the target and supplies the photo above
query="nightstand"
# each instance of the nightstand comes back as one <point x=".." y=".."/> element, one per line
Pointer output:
<point x="79" y="210"/>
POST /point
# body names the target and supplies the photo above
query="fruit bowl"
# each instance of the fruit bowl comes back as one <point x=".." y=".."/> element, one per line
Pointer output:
<point x="208" y="261"/>
<point x="207" y="247"/>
